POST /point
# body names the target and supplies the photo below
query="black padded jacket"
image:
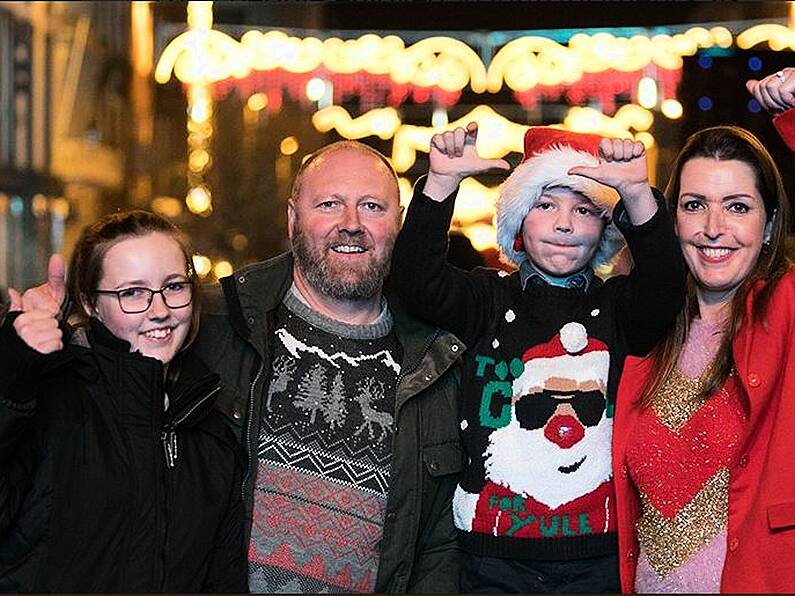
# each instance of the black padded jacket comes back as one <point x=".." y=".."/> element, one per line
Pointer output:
<point x="103" y="491"/>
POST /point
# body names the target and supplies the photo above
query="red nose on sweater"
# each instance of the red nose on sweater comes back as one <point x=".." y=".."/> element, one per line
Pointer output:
<point x="564" y="430"/>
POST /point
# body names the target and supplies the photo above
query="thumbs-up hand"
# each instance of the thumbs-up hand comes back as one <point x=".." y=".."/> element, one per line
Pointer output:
<point x="622" y="165"/>
<point x="15" y="298"/>
<point x="38" y="325"/>
<point x="453" y="157"/>
<point x="49" y="296"/>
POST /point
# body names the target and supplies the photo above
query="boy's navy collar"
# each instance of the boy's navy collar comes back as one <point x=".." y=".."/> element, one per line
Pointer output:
<point x="528" y="273"/>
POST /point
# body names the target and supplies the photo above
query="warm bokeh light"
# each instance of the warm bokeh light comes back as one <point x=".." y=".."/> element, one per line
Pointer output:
<point x="778" y="37"/>
<point x="439" y="118"/>
<point x="199" y="200"/>
<point x="646" y="139"/>
<point x="315" y="89"/>
<point x="647" y="92"/>
<point x="38" y="205"/>
<point x="257" y="102"/>
<point x="198" y="160"/>
<point x="167" y="207"/>
<point x="239" y="242"/>
<point x="60" y="208"/>
<point x="671" y="108"/>
<point x="381" y="121"/>
<point x="482" y="236"/>
<point x="289" y="145"/>
<point x="202" y="265"/>
<point x="222" y="269"/>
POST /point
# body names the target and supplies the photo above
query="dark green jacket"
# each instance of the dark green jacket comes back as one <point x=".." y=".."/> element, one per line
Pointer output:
<point x="418" y="550"/>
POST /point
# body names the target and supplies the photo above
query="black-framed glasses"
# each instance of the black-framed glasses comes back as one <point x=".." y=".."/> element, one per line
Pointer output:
<point x="177" y="294"/>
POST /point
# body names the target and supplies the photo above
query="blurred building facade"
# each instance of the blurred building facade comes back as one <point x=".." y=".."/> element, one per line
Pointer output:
<point x="65" y="114"/>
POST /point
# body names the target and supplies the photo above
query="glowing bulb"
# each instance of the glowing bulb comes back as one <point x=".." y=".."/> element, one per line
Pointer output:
<point x="288" y="146"/>
<point x="167" y="206"/>
<point x="482" y="236"/>
<point x="198" y="160"/>
<point x="199" y="200"/>
<point x="202" y="265"/>
<point x="59" y="208"/>
<point x="39" y="205"/>
<point x="671" y="109"/>
<point x="647" y="92"/>
<point x="200" y="111"/>
<point x="315" y="89"/>
<point x="222" y="269"/>
<point x="439" y="119"/>
<point x="257" y="102"/>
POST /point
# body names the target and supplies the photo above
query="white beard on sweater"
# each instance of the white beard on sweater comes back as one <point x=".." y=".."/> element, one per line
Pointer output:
<point x="529" y="464"/>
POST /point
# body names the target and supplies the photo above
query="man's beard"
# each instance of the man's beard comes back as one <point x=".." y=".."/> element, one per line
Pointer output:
<point x="335" y="280"/>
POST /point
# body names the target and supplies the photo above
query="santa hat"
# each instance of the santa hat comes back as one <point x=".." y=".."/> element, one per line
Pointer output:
<point x="549" y="154"/>
<point x="566" y="363"/>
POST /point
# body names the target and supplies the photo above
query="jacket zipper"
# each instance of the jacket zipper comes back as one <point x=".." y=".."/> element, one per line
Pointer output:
<point x="249" y="423"/>
<point x="169" y="436"/>
<point x="398" y="582"/>
<point x="170" y="447"/>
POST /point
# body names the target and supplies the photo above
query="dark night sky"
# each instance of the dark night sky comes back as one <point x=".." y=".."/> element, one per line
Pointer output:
<point x="478" y="15"/>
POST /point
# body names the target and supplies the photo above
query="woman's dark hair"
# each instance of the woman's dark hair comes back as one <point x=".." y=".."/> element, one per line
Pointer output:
<point x="724" y="143"/>
<point x="85" y="266"/>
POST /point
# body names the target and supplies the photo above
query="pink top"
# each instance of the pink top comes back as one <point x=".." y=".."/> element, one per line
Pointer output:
<point x="679" y="459"/>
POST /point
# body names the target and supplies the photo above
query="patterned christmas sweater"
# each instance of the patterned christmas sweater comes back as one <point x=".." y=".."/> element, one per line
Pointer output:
<point x="540" y="375"/>
<point x="324" y="454"/>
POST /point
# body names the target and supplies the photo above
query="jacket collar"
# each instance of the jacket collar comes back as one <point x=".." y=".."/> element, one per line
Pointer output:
<point x="256" y="290"/>
<point x="136" y="382"/>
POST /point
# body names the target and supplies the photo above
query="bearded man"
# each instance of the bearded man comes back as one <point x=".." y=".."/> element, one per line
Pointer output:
<point x="344" y="405"/>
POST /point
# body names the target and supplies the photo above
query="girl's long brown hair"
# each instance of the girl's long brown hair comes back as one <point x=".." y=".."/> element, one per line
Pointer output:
<point x="723" y="143"/>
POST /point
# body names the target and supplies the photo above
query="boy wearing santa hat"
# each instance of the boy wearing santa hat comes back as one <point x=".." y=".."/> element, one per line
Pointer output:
<point x="545" y="346"/>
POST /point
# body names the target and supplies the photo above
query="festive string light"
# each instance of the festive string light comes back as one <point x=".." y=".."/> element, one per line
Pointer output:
<point x="257" y="102"/>
<point x="315" y="89"/>
<point x="671" y="108"/>
<point x="207" y="55"/>
<point x="199" y="200"/>
<point x="778" y="37"/>
<point x="203" y="265"/>
<point x="289" y="145"/>
<point x="222" y="269"/>
<point x="647" y="92"/>
<point x="382" y="122"/>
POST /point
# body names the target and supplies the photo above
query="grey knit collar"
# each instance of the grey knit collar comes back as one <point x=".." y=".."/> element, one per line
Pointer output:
<point x="381" y="327"/>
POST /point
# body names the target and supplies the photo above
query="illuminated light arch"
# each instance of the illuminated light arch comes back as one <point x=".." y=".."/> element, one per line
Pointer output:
<point x="777" y="37"/>
<point x="497" y="136"/>
<point x="440" y="61"/>
<point x="382" y="122"/>
<point x="201" y="56"/>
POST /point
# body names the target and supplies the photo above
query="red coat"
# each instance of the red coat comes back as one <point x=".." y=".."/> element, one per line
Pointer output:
<point x="785" y="124"/>
<point x="761" y="529"/>
<point x="760" y="554"/>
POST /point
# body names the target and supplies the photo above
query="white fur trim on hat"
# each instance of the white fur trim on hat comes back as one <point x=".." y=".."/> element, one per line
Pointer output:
<point x="522" y="189"/>
<point x="591" y="366"/>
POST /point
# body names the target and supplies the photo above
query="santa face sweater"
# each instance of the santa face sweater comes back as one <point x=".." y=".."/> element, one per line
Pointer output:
<point x="540" y="374"/>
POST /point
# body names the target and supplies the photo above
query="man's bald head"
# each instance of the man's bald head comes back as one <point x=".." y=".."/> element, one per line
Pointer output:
<point x="314" y="158"/>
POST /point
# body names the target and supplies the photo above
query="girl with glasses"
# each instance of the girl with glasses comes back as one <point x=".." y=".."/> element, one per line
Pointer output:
<point x="116" y="474"/>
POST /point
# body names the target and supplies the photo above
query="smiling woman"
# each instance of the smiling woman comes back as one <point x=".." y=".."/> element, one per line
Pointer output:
<point x="702" y="453"/>
<point x="118" y="475"/>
